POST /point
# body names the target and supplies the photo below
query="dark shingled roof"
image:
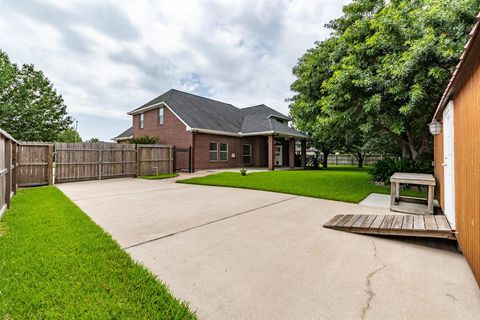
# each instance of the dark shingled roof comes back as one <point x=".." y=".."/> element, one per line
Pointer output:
<point x="125" y="134"/>
<point x="203" y="113"/>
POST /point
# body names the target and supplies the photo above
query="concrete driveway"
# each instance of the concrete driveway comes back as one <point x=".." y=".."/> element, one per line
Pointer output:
<point x="245" y="254"/>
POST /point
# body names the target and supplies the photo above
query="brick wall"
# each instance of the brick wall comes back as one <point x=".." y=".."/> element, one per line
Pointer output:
<point x="202" y="151"/>
<point x="172" y="132"/>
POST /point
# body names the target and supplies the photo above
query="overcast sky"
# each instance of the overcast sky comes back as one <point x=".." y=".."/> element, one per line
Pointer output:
<point x="109" y="57"/>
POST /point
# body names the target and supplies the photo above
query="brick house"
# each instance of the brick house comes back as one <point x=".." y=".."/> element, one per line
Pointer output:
<point x="219" y="134"/>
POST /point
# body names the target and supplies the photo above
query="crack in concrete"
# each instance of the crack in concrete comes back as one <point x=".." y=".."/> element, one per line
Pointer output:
<point x="370" y="292"/>
<point x="209" y="222"/>
<point x="127" y="193"/>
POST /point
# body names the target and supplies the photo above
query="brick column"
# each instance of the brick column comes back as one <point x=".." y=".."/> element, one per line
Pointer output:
<point x="304" y="153"/>
<point x="291" y="153"/>
<point x="271" y="153"/>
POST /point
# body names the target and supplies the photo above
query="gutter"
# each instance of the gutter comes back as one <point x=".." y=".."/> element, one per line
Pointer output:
<point x="122" y="138"/>
<point x="240" y="134"/>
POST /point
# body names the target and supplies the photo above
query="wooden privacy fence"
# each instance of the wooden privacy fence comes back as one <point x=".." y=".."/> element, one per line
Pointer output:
<point x="349" y="159"/>
<point x="27" y="164"/>
<point x="35" y="164"/>
<point x="96" y="161"/>
<point x="8" y="169"/>
<point x="93" y="161"/>
<point x="154" y="159"/>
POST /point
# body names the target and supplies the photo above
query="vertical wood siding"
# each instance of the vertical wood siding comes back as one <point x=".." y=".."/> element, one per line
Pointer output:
<point x="438" y="169"/>
<point x="467" y="168"/>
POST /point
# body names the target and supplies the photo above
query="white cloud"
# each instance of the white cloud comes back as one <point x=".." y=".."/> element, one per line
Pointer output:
<point x="107" y="58"/>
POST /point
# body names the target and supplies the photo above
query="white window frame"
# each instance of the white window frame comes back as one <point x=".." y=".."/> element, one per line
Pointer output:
<point x="142" y="120"/>
<point x="224" y="152"/>
<point x="247" y="155"/>
<point x="161" y="116"/>
<point x="215" y="152"/>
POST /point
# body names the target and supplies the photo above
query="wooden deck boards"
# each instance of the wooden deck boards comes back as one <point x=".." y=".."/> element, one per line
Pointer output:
<point x="401" y="225"/>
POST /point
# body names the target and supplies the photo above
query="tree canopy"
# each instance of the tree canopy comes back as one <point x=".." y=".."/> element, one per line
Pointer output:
<point x="69" y="135"/>
<point x="376" y="81"/>
<point x="30" y="107"/>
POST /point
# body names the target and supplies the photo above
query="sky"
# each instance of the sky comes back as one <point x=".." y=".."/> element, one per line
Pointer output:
<point x="109" y="57"/>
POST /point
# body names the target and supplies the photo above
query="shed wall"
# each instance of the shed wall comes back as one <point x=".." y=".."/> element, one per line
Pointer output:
<point x="467" y="168"/>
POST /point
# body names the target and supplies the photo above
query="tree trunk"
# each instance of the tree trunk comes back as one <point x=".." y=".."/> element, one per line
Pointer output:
<point x="325" y="158"/>
<point x="315" y="160"/>
<point x="360" y="157"/>
<point x="404" y="150"/>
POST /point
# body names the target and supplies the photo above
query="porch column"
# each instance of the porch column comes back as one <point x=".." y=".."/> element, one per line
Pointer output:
<point x="271" y="153"/>
<point x="303" y="158"/>
<point x="291" y="153"/>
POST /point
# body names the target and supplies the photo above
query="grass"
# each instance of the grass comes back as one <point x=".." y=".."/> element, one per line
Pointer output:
<point x="55" y="263"/>
<point x="160" y="176"/>
<point x="342" y="183"/>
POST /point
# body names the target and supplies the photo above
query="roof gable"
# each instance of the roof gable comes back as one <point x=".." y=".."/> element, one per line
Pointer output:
<point x="200" y="113"/>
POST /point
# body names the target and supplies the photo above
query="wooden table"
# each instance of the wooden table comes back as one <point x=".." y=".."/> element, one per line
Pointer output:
<point x="411" y="204"/>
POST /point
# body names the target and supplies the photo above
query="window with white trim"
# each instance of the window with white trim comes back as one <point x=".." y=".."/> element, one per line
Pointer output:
<point x="223" y="151"/>
<point x="213" y="151"/>
<point x="142" y="120"/>
<point x="160" y="116"/>
<point x="247" y="153"/>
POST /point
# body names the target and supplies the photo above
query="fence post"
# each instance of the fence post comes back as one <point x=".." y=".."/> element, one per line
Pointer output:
<point x="190" y="159"/>
<point x="170" y="160"/>
<point x="139" y="161"/>
<point x="174" y="159"/>
<point x="14" y="171"/>
<point x="50" y="165"/>
<point x="100" y="163"/>
<point x="123" y="159"/>
<point x="8" y="174"/>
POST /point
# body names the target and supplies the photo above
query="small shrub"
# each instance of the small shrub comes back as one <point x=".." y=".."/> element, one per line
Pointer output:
<point x="144" y="139"/>
<point x="382" y="170"/>
<point x="243" y="172"/>
<point x="313" y="161"/>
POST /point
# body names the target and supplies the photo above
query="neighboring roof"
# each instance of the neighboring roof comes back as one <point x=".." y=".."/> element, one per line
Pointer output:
<point x="200" y="113"/>
<point x="125" y="135"/>
<point x="469" y="58"/>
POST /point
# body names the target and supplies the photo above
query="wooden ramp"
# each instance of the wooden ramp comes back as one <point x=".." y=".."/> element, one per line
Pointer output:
<point x="396" y="225"/>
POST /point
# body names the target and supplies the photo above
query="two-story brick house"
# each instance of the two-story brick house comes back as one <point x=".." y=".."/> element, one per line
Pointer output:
<point x="220" y="135"/>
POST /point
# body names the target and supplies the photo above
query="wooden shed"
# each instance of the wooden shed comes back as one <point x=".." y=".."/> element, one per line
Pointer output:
<point x="457" y="151"/>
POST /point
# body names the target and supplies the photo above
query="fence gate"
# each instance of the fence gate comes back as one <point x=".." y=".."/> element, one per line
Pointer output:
<point x="34" y="164"/>
<point x="90" y="161"/>
<point x="154" y="159"/>
<point x="182" y="159"/>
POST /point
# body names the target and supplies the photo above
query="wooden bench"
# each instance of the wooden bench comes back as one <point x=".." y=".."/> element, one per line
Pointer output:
<point x="410" y="204"/>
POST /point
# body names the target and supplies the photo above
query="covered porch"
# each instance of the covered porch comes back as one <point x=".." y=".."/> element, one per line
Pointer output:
<point x="281" y="151"/>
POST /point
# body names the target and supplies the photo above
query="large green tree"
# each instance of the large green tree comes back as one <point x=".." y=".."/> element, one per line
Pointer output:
<point x="69" y="135"/>
<point x="383" y="70"/>
<point x="30" y="107"/>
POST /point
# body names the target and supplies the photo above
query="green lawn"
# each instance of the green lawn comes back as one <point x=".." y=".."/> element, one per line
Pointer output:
<point x="55" y="263"/>
<point x="343" y="183"/>
<point x="160" y="176"/>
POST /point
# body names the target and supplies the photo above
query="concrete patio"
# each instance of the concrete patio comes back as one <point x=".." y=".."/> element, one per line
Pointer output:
<point x="245" y="254"/>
